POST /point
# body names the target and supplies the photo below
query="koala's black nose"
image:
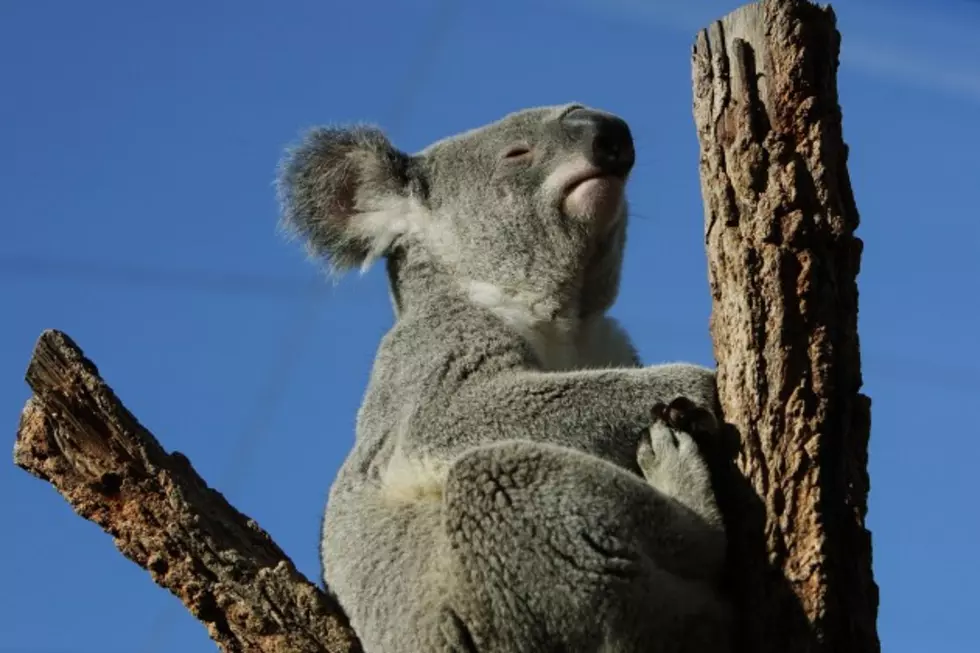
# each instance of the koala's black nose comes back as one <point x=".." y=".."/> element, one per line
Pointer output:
<point x="606" y="138"/>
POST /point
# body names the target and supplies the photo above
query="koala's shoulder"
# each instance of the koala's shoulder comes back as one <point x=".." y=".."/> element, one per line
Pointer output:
<point x="454" y="332"/>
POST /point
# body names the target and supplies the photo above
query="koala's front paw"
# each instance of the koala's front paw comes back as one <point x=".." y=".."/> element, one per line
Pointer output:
<point x="682" y="414"/>
<point x="671" y="460"/>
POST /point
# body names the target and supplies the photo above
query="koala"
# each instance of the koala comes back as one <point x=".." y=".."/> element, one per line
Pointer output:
<point x="519" y="482"/>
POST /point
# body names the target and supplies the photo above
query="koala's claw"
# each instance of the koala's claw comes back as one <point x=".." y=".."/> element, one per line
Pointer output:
<point x="684" y="415"/>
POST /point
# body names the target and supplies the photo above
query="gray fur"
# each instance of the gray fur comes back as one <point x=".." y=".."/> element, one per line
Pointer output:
<point x="509" y="489"/>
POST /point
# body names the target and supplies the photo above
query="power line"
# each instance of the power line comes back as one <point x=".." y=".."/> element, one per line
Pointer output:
<point x="890" y="364"/>
<point x="296" y="343"/>
<point x="223" y="282"/>
<point x="292" y="347"/>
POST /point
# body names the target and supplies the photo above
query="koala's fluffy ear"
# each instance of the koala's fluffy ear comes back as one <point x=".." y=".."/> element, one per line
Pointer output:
<point x="346" y="191"/>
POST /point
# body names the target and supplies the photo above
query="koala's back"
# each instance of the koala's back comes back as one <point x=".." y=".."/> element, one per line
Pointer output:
<point x="384" y="532"/>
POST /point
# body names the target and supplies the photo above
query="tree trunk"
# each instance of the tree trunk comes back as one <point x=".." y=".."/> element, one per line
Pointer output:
<point x="783" y="260"/>
<point x="75" y="434"/>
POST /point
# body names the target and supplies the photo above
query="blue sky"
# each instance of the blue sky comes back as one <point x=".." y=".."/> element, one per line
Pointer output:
<point x="138" y="143"/>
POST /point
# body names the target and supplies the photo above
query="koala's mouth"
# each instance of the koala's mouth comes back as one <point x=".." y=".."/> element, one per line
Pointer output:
<point x="593" y="194"/>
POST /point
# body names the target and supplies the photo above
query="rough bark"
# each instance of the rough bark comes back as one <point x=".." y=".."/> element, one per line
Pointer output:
<point x="75" y="434"/>
<point x="783" y="260"/>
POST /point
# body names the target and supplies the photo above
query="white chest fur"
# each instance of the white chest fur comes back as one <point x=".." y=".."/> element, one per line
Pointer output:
<point x="560" y="343"/>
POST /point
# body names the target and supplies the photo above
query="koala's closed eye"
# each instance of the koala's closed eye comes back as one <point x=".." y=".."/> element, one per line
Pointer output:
<point x="517" y="152"/>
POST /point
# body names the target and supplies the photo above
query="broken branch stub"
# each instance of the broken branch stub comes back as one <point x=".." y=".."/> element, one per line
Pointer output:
<point x="783" y="259"/>
<point x="76" y="434"/>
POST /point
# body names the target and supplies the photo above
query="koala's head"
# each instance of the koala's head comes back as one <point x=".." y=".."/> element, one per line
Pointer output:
<point x="530" y="208"/>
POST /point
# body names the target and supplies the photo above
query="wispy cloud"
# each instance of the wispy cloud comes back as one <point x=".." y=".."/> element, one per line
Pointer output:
<point x="924" y="48"/>
<point x="911" y="68"/>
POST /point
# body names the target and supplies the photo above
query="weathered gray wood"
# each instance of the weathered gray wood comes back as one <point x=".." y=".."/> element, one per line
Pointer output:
<point x="783" y="260"/>
<point x="75" y="434"/>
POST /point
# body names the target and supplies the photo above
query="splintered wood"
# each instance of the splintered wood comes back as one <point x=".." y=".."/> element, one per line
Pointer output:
<point x="75" y="434"/>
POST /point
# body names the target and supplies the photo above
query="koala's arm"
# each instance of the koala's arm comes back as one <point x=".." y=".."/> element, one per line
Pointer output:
<point x="601" y="411"/>
<point x="607" y="414"/>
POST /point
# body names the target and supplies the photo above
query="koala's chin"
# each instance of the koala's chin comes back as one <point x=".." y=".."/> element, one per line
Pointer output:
<point x="597" y="199"/>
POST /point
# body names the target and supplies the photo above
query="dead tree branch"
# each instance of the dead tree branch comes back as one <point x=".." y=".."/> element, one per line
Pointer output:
<point x="75" y="434"/>
<point x="783" y="260"/>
